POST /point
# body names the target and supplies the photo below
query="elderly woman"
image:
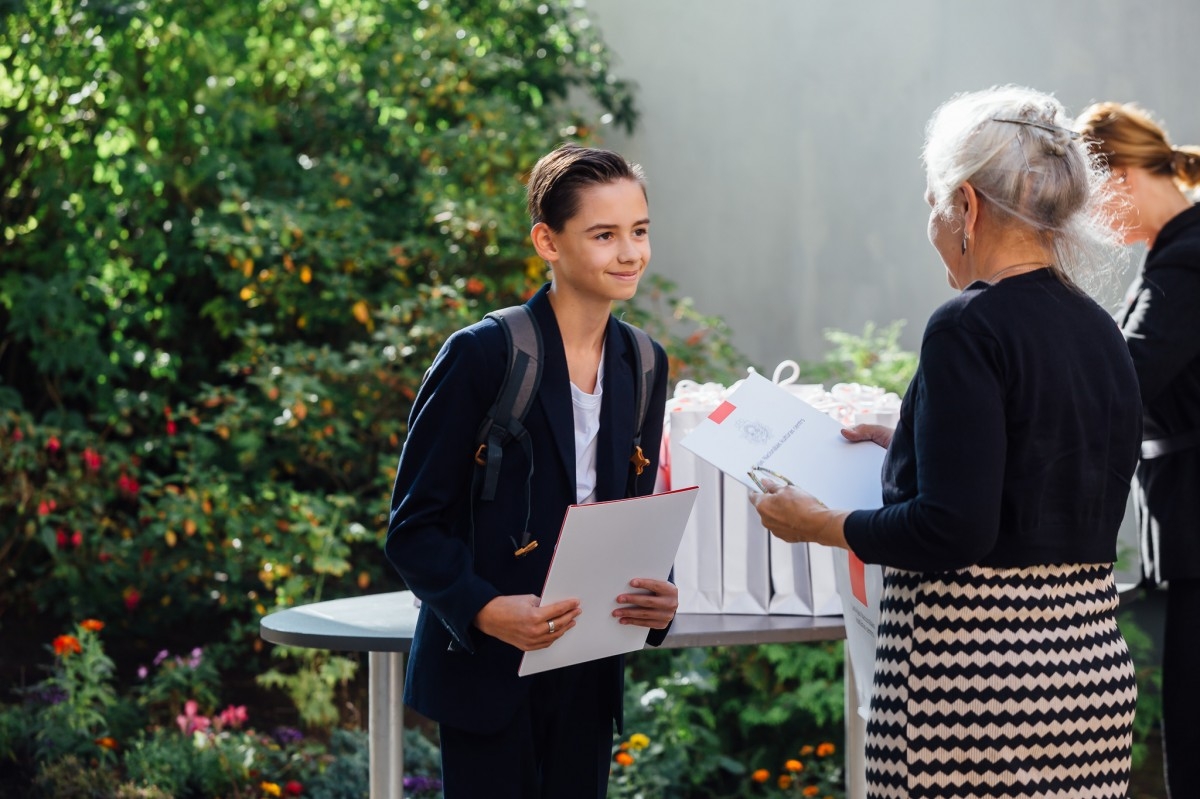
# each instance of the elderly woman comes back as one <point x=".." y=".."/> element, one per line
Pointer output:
<point x="1161" y="324"/>
<point x="1000" y="669"/>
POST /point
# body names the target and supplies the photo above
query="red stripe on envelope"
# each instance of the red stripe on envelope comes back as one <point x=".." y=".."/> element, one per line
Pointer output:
<point x="858" y="579"/>
<point x="723" y="410"/>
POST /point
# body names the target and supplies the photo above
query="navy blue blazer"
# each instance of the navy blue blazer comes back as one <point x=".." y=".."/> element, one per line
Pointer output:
<point x="458" y="675"/>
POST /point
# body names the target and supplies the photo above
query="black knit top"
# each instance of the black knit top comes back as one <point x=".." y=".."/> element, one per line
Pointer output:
<point x="1017" y="438"/>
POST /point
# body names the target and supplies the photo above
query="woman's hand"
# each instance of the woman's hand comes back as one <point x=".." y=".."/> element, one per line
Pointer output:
<point x="880" y="434"/>
<point x="795" y="516"/>
<point x="526" y="624"/>
<point x="654" y="610"/>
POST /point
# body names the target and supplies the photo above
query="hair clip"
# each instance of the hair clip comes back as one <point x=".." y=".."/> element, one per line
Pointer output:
<point x="1074" y="134"/>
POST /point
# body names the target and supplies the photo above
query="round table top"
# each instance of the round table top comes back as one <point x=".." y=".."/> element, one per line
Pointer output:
<point x="386" y="622"/>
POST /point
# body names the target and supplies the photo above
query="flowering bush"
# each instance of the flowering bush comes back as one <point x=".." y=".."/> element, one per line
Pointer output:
<point x="817" y="773"/>
<point x="73" y="735"/>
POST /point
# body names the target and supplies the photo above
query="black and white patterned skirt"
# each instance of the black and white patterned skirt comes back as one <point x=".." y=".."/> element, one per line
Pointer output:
<point x="1001" y="683"/>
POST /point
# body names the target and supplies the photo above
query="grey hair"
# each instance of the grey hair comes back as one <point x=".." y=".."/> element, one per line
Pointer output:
<point x="1016" y="148"/>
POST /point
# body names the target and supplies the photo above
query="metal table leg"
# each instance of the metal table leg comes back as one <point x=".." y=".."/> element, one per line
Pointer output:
<point x="385" y="724"/>
<point x="856" y="736"/>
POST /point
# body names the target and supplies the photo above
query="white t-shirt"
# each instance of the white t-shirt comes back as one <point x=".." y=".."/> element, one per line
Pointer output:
<point x="586" y="409"/>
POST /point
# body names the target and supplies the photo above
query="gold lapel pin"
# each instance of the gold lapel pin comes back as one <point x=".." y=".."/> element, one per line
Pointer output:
<point x="639" y="461"/>
<point x="525" y="547"/>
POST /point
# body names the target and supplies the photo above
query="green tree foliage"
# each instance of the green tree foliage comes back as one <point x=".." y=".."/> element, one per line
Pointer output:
<point x="234" y="235"/>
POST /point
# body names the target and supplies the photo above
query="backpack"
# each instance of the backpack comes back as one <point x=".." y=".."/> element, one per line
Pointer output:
<point x="505" y="419"/>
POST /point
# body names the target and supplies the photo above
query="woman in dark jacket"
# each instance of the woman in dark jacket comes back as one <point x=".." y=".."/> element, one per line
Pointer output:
<point x="1161" y="324"/>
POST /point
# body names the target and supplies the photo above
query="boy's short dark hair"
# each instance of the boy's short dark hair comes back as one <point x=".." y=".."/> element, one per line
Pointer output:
<point x="558" y="176"/>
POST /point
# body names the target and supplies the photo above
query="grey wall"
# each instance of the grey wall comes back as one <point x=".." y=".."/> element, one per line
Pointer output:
<point x="782" y="137"/>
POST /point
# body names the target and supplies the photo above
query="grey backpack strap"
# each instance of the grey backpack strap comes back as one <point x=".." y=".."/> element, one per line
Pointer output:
<point x="505" y="420"/>
<point x="644" y="364"/>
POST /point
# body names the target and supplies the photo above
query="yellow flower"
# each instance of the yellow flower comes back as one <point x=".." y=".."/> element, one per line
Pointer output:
<point x="761" y="775"/>
<point x="639" y="741"/>
<point x="825" y="750"/>
<point x="271" y="789"/>
<point x="794" y="765"/>
<point x="785" y="781"/>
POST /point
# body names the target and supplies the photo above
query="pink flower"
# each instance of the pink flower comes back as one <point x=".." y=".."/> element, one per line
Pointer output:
<point x="91" y="460"/>
<point x="46" y="507"/>
<point x="191" y="721"/>
<point x="233" y="716"/>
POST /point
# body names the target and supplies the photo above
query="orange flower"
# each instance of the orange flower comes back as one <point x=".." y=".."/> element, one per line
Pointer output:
<point x="624" y="759"/>
<point x="825" y="750"/>
<point x="270" y="789"/>
<point x="811" y="790"/>
<point x="761" y="776"/>
<point x="66" y="644"/>
<point x="806" y="750"/>
<point x="107" y="743"/>
<point x="785" y="781"/>
<point x="794" y="765"/>
<point x="92" y="625"/>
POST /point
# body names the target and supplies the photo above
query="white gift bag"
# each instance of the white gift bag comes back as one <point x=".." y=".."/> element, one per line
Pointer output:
<point x="745" y="566"/>
<point x="822" y="574"/>
<point x="791" y="594"/>
<point x="861" y="588"/>
<point x="698" y="564"/>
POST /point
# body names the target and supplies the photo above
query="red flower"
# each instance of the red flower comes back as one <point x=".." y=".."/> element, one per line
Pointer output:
<point x="293" y="788"/>
<point x="91" y="460"/>
<point x="103" y="556"/>
<point x="170" y="422"/>
<point x="17" y="434"/>
<point x="61" y="538"/>
<point x="77" y="538"/>
<point x="132" y="598"/>
<point x="46" y="507"/>
<point x="127" y="485"/>
<point x="66" y="645"/>
<point x="53" y="445"/>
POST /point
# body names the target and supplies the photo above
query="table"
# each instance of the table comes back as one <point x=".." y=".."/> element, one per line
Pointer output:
<point x="383" y="624"/>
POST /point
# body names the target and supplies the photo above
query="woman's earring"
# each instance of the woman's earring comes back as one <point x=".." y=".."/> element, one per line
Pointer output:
<point x="964" y="245"/>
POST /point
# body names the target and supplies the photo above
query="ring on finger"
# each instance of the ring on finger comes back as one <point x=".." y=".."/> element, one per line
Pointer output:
<point x="551" y="625"/>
